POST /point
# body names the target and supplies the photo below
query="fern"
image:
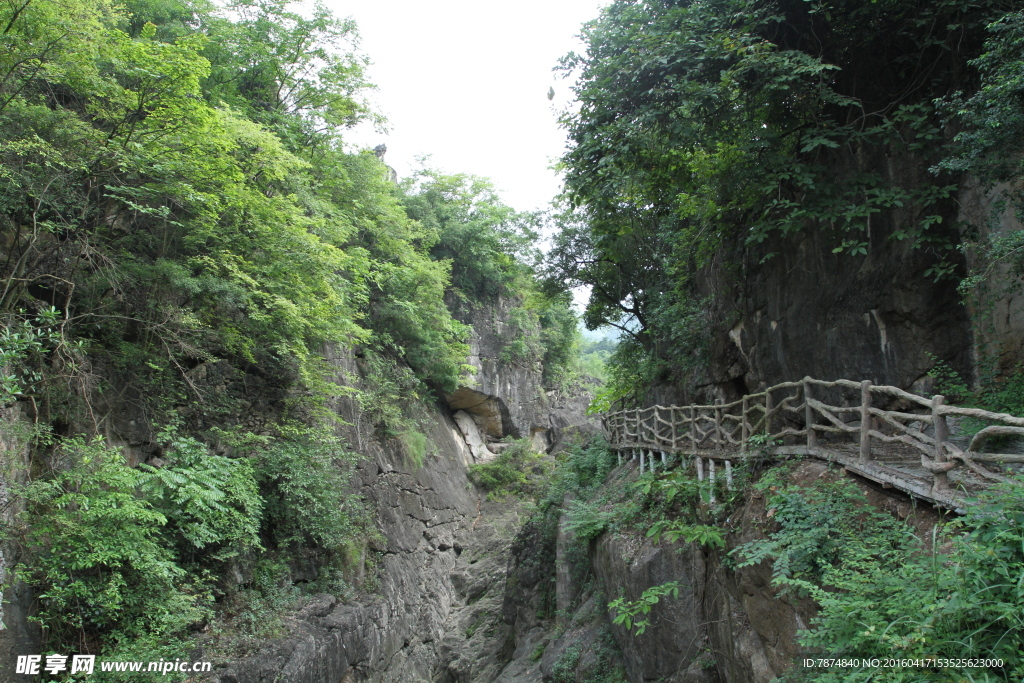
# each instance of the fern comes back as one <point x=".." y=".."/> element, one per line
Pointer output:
<point x="209" y="500"/>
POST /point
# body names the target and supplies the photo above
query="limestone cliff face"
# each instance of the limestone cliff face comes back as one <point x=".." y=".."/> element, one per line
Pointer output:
<point x="808" y="311"/>
<point x="18" y="635"/>
<point x="428" y="516"/>
<point x="999" y="331"/>
<point x="727" y="625"/>
<point x="435" y="614"/>
<point x="507" y="398"/>
<point x="790" y="306"/>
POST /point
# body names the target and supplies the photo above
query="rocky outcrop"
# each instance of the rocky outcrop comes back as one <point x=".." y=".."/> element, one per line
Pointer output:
<point x="556" y="610"/>
<point x="727" y="625"/>
<point x="474" y="439"/>
<point x="1000" y="332"/>
<point x="508" y="397"/>
<point x="807" y="311"/>
<point x="18" y="635"/>
<point x="425" y="515"/>
<point x="626" y="566"/>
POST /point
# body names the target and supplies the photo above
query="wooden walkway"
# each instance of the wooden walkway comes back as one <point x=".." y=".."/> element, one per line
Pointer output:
<point x="897" y="439"/>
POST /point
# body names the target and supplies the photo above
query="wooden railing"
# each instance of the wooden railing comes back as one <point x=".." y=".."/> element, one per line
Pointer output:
<point x="810" y="411"/>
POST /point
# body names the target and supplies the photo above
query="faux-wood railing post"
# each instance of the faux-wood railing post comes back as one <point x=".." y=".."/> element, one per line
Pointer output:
<point x="744" y="427"/>
<point x="718" y="423"/>
<point x="812" y="437"/>
<point x="865" y="421"/>
<point x="941" y="479"/>
<point x="768" y="412"/>
<point x="693" y="428"/>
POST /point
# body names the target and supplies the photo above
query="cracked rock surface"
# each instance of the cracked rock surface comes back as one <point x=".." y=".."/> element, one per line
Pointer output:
<point x="436" y="615"/>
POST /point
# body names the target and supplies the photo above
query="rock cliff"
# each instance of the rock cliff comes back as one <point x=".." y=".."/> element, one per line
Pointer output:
<point x="727" y="625"/>
<point x="808" y="311"/>
<point x="507" y="397"/>
<point x="435" y="561"/>
<point x="18" y="635"/>
<point x="435" y="614"/>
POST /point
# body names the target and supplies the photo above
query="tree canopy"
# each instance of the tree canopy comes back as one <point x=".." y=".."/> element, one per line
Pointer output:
<point x="710" y="128"/>
<point x="186" y="232"/>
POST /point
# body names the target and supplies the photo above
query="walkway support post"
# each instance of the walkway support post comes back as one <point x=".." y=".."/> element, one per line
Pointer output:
<point x="865" y="421"/>
<point x="941" y="479"/>
<point x="711" y="479"/>
<point x="812" y="436"/>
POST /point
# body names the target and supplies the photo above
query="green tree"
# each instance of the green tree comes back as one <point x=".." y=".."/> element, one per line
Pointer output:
<point x="488" y="243"/>
<point x="708" y="133"/>
<point x="95" y="555"/>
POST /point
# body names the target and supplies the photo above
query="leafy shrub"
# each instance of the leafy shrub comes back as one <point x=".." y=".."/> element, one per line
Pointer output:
<point x="386" y="392"/>
<point x="507" y="472"/>
<point x="250" y="616"/>
<point x="22" y="344"/>
<point x="999" y="392"/>
<point x="303" y="480"/>
<point x="822" y="526"/>
<point x="97" y="557"/>
<point x="632" y="614"/>
<point x="674" y="529"/>
<point x="586" y="520"/>
<point x="582" y="471"/>
<point x="564" y="670"/>
<point x="947" y="381"/>
<point x="208" y="500"/>
<point x="416" y="445"/>
<point x="882" y="595"/>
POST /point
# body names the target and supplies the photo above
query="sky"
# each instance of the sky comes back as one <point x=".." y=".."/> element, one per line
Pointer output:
<point x="466" y="82"/>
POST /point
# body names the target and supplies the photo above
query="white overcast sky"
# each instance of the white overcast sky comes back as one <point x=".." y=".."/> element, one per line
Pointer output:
<point x="466" y="82"/>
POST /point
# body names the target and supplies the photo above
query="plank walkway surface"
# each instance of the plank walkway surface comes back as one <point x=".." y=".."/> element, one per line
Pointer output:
<point x="882" y="433"/>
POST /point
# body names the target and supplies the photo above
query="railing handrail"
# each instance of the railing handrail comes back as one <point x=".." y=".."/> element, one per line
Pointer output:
<point x="791" y="409"/>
